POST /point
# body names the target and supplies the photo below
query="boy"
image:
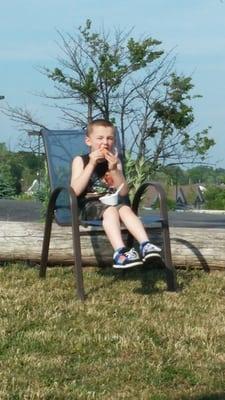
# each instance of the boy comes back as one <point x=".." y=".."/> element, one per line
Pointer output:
<point x="101" y="171"/>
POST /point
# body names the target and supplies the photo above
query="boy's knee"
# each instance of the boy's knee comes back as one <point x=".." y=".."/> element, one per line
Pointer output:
<point x="125" y="209"/>
<point x="110" y="211"/>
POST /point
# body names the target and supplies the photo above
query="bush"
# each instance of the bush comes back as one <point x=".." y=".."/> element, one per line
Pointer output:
<point x="43" y="193"/>
<point x="7" y="188"/>
<point x="215" y="198"/>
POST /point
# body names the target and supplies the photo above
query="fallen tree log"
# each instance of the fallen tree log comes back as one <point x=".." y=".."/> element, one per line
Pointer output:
<point x="191" y="247"/>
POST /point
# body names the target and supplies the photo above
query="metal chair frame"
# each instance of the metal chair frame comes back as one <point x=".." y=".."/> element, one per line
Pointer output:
<point x="75" y="223"/>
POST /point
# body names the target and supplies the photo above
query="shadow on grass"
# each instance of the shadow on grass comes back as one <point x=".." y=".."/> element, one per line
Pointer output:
<point x="106" y="284"/>
<point x="146" y="274"/>
<point x="212" y="396"/>
<point x="133" y="274"/>
<point x="150" y="276"/>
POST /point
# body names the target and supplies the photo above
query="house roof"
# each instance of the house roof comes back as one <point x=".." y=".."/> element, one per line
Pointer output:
<point x="184" y="194"/>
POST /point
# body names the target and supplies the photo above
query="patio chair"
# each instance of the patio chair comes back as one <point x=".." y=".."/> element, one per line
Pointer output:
<point x="61" y="146"/>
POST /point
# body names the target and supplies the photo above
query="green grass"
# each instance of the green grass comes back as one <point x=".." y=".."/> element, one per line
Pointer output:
<point x="131" y="339"/>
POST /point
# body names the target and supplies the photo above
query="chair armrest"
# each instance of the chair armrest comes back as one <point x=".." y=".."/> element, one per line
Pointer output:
<point x="53" y="198"/>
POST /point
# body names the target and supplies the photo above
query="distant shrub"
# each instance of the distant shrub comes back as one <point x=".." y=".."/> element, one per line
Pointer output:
<point x="215" y="198"/>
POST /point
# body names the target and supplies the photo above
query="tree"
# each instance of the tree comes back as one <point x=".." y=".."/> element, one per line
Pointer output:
<point x="215" y="198"/>
<point x="206" y="175"/>
<point x="7" y="182"/>
<point x="17" y="167"/>
<point x="175" y="175"/>
<point x="132" y="83"/>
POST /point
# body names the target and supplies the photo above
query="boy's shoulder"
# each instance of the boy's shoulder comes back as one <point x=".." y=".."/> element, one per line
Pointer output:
<point x="81" y="157"/>
<point x="77" y="160"/>
<point x="81" y="160"/>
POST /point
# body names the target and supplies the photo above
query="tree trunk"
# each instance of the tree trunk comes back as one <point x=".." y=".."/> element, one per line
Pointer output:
<point x="191" y="247"/>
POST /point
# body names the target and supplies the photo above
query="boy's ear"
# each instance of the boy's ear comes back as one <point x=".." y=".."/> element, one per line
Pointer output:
<point x="87" y="141"/>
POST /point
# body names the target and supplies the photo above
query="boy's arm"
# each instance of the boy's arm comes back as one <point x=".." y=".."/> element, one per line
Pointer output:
<point x="80" y="175"/>
<point x="118" y="178"/>
<point x="116" y="172"/>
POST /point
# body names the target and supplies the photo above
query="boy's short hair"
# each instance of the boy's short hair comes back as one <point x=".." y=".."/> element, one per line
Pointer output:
<point x="99" y="122"/>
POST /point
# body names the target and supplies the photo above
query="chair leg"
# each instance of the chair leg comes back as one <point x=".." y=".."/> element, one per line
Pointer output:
<point x="78" y="265"/>
<point x="45" y="245"/>
<point x="170" y="270"/>
<point x="78" y="272"/>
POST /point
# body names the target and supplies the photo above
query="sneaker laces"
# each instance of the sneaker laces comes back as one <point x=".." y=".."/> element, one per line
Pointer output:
<point x="123" y="253"/>
<point x="131" y="253"/>
<point x="148" y="247"/>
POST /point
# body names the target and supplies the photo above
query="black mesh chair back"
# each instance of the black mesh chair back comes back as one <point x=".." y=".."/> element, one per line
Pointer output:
<point x="61" y="147"/>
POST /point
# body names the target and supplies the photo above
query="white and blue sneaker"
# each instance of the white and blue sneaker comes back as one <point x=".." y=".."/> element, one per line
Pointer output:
<point x="124" y="258"/>
<point x="149" y="250"/>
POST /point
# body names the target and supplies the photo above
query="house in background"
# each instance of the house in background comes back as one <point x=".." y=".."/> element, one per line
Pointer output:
<point x="184" y="196"/>
<point x="200" y="199"/>
<point x="190" y="196"/>
<point x="180" y="198"/>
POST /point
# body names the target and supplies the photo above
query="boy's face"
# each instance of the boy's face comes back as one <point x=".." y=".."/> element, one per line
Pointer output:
<point x="101" y="137"/>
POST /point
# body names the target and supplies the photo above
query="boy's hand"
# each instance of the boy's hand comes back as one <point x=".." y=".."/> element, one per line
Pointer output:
<point x="112" y="160"/>
<point x="96" y="157"/>
<point x="102" y="154"/>
<point x="103" y="151"/>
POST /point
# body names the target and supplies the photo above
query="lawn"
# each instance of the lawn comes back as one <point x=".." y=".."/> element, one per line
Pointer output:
<point x="131" y="339"/>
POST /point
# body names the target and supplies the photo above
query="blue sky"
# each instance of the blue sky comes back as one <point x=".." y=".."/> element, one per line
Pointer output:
<point x="195" y="29"/>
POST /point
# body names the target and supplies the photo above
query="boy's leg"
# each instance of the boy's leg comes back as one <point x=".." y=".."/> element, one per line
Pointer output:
<point x="133" y="223"/>
<point x="111" y="225"/>
<point x="121" y="258"/>
<point x="136" y="228"/>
